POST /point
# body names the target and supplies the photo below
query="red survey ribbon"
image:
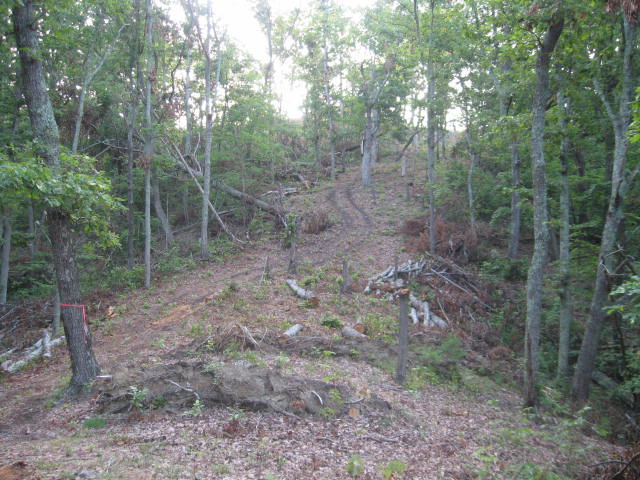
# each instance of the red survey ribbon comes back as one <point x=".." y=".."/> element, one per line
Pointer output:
<point x="84" y="317"/>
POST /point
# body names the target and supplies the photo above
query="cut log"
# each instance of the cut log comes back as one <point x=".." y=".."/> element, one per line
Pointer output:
<point x="289" y="333"/>
<point x="349" y="332"/>
<point x="33" y="352"/>
<point x="299" y="291"/>
<point x="293" y="330"/>
<point x="182" y="162"/>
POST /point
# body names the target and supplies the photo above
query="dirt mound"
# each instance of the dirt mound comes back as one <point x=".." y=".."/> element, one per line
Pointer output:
<point x="183" y="385"/>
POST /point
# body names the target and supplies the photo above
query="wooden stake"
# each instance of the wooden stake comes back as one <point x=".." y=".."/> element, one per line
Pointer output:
<point x="403" y="336"/>
<point x="346" y="279"/>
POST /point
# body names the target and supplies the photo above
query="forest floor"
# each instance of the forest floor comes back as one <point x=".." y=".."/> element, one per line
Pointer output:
<point x="316" y="406"/>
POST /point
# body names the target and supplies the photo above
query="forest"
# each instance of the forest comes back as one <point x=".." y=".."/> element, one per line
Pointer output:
<point x="468" y="165"/>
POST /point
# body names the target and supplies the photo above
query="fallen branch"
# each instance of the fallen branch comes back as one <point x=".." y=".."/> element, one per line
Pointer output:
<point x="38" y="349"/>
<point x="380" y="439"/>
<point x="190" y="390"/>
<point x="624" y="469"/>
<point x="301" y="292"/>
<point x="248" y="336"/>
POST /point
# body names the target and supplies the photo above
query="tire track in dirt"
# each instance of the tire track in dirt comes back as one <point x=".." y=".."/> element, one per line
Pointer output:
<point x="367" y="219"/>
<point x="355" y="229"/>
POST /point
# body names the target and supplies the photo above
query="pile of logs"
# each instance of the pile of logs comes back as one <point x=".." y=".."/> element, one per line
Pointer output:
<point x="41" y="348"/>
<point x="396" y="277"/>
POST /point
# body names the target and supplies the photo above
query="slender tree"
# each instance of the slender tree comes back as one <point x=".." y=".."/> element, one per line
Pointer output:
<point x="147" y="156"/>
<point x="45" y="131"/>
<point x="540" y="226"/>
<point x="621" y="181"/>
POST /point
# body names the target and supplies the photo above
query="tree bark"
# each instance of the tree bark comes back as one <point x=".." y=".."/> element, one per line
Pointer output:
<point x="620" y="183"/>
<point x="131" y="120"/>
<point x="83" y="362"/>
<point x="206" y="168"/>
<point x="157" y="206"/>
<point x="148" y="146"/>
<point x="540" y="223"/>
<point x="514" y="230"/>
<point x="562" y="373"/>
<point x="431" y="136"/>
<point x="5" y="233"/>
<point x="375" y="118"/>
<point x="403" y="337"/>
<point x="327" y="95"/>
<point x="366" y="154"/>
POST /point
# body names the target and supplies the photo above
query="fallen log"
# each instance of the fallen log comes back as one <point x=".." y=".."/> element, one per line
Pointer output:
<point x="349" y="332"/>
<point x="299" y="291"/>
<point x="288" y="334"/>
<point x="41" y="348"/>
<point x="292" y="331"/>
<point x="421" y="310"/>
<point x="182" y="162"/>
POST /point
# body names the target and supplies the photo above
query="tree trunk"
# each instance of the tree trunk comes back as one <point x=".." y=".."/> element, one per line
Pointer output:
<point x="148" y="147"/>
<point x="132" y="115"/>
<point x="5" y="232"/>
<point x="206" y="169"/>
<point x="620" y="184"/>
<point x="472" y="167"/>
<point x="157" y="206"/>
<point x="375" y="118"/>
<point x="540" y="223"/>
<point x="366" y="153"/>
<point x="187" y="105"/>
<point x="83" y="362"/>
<point x="327" y="95"/>
<point x="84" y="366"/>
<point x="564" y="339"/>
<point x="514" y="230"/>
<point x="431" y="136"/>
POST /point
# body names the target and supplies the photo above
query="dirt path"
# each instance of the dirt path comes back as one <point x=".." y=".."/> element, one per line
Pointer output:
<point x="432" y="431"/>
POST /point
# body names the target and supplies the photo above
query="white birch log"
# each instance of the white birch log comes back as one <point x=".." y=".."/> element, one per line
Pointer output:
<point x="46" y="344"/>
<point x="349" y="332"/>
<point x="413" y="315"/>
<point x="436" y="321"/>
<point x="299" y="291"/>
<point x="293" y="330"/>
<point x="30" y="354"/>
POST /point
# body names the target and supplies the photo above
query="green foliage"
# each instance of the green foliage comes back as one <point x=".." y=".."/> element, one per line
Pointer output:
<point x="172" y="262"/>
<point x="290" y="233"/>
<point x="628" y="300"/>
<point x="440" y="362"/>
<point x="76" y="189"/>
<point x="383" y="327"/>
<point x="95" y="422"/>
<point x="355" y="466"/>
<point x="138" y="396"/>
<point x="330" y="321"/>
<point x="393" y="470"/>
<point x="121" y="278"/>
<point x="507" y="269"/>
<point x="196" y="409"/>
<point x="222" y="247"/>
<point x="31" y="278"/>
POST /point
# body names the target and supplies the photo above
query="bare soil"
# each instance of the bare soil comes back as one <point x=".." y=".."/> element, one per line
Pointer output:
<point x="189" y="395"/>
